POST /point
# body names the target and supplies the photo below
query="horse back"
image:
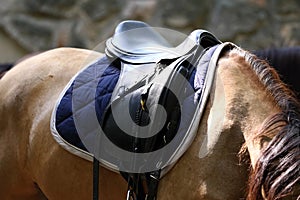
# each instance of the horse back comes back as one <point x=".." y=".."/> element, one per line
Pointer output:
<point x="27" y="95"/>
<point x="35" y="76"/>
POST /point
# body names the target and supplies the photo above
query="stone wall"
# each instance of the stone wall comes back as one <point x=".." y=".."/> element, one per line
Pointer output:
<point x="36" y="25"/>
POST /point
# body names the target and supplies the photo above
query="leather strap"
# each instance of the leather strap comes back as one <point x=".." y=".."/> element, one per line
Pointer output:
<point x="95" y="179"/>
<point x="142" y="186"/>
<point x="153" y="184"/>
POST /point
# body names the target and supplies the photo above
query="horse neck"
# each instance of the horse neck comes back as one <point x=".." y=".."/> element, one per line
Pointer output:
<point x="247" y="104"/>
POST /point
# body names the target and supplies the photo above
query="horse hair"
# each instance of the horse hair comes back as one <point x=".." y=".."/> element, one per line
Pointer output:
<point x="4" y="68"/>
<point x="277" y="171"/>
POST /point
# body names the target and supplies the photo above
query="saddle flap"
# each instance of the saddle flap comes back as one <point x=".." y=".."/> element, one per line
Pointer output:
<point x="130" y="77"/>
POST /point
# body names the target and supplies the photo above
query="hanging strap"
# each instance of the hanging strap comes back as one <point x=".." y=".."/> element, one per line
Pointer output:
<point x="95" y="179"/>
<point x="153" y="181"/>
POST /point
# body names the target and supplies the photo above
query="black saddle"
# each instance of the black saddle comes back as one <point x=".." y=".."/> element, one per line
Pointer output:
<point x="144" y="54"/>
<point x="136" y="42"/>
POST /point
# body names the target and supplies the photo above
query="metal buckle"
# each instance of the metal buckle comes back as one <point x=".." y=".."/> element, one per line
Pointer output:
<point x="130" y="195"/>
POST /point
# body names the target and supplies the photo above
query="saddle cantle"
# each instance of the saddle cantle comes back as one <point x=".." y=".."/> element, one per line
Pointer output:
<point x="138" y="108"/>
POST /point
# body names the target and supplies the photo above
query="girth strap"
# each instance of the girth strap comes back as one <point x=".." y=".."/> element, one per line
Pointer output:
<point x="142" y="186"/>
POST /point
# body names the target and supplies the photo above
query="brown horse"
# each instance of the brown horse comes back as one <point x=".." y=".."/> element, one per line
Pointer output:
<point x="248" y="101"/>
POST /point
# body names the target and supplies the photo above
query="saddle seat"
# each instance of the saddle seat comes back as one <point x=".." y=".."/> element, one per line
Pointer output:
<point x="136" y="42"/>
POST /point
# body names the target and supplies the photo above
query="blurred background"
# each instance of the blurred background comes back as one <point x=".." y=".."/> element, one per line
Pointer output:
<point x="28" y="26"/>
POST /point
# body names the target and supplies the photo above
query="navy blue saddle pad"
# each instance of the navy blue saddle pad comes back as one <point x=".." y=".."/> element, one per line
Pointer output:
<point x="95" y="85"/>
<point x="106" y="73"/>
<point x="109" y="73"/>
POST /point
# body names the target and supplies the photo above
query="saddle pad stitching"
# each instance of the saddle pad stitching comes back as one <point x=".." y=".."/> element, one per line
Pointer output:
<point x="61" y="141"/>
<point x="53" y="129"/>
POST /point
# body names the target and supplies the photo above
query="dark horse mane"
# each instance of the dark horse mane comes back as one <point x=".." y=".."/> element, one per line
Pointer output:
<point x="4" y="68"/>
<point x="277" y="171"/>
<point x="286" y="61"/>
